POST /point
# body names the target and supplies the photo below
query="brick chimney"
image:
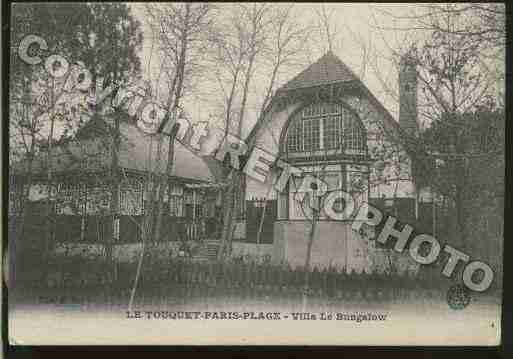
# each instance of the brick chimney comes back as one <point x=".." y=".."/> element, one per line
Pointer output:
<point x="408" y="95"/>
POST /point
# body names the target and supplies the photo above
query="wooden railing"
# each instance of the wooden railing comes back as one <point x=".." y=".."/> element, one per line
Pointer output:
<point x="92" y="229"/>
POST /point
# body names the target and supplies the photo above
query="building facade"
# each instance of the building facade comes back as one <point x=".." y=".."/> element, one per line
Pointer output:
<point x="328" y="124"/>
<point x="86" y="203"/>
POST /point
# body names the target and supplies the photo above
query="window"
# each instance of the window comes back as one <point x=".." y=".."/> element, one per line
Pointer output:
<point x="199" y="211"/>
<point x="176" y="206"/>
<point x="130" y="197"/>
<point x="67" y="197"/>
<point x="294" y="137"/>
<point x="311" y="135"/>
<point x="354" y="137"/>
<point x="176" y="201"/>
<point x="326" y="126"/>
<point x="332" y="130"/>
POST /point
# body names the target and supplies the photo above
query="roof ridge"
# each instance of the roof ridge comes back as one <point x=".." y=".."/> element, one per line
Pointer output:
<point x="329" y="68"/>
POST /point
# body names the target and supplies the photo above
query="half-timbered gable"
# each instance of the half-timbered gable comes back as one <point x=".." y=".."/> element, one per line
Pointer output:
<point x="328" y="124"/>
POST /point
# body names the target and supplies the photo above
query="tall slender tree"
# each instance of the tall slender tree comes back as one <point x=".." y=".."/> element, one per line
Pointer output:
<point x="103" y="37"/>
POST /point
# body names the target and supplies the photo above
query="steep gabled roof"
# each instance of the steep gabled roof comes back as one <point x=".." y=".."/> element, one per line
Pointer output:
<point x="137" y="153"/>
<point x="135" y="150"/>
<point x="328" y="69"/>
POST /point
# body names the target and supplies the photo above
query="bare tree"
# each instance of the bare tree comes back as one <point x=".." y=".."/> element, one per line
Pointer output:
<point x="179" y="33"/>
<point x="457" y="77"/>
<point x="258" y="42"/>
<point x="182" y="30"/>
<point x="237" y="48"/>
<point x="326" y="29"/>
<point x="285" y="44"/>
<point x="482" y="22"/>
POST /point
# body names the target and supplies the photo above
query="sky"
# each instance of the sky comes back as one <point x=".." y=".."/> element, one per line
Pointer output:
<point x="357" y="37"/>
<point x="362" y="39"/>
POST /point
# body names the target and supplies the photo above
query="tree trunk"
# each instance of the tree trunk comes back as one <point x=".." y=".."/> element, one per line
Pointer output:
<point x="113" y="229"/>
<point x="23" y="201"/>
<point x="311" y="237"/>
<point x="229" y="204"/>
<point x="460" y="216"/>
<point x="165" y="182"/>
<point x="460" y="203"/>
<point x="49" y="222"/>
<point x="177" y="92"/>
<point x="25" y="190"/>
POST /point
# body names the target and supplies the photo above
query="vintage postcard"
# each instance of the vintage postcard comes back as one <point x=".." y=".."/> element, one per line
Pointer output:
<point x="255" y="173"/>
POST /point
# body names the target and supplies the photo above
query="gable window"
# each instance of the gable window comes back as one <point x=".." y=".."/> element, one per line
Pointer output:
<point x="326" y="126"/>
<point x="294" y="137"/>
<point x="311" y="134"/>
<point x="332" y="131"/>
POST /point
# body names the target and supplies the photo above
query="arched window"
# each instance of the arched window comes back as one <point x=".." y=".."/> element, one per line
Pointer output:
<point x="326" y="126"/>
